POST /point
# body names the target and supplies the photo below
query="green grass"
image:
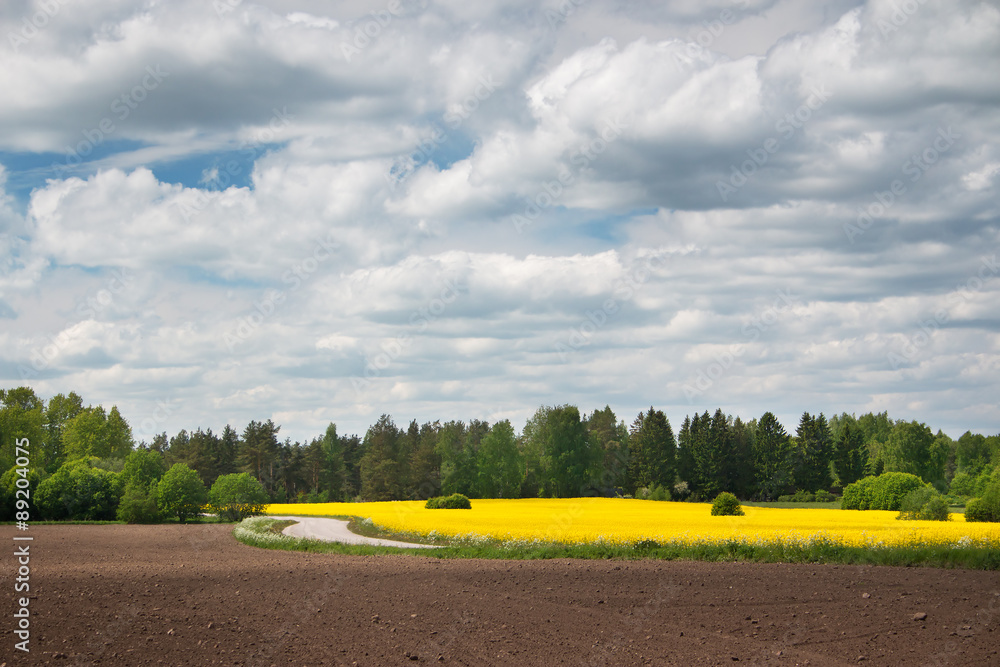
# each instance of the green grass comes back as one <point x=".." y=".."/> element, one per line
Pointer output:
<point x="265" y="532"/>
<point x="834" y="505"/>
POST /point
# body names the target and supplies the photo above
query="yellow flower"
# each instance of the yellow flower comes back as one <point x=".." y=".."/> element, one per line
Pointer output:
<point x="626" y="521"/>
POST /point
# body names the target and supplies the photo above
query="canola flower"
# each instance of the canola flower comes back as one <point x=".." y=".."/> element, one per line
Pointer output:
<point x="628" y="521"/>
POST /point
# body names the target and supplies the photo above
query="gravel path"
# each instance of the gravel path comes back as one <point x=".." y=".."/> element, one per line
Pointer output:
<point x="335" y="530"/>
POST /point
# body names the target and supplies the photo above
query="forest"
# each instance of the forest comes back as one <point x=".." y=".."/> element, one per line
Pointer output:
<point x="559" y="452"/>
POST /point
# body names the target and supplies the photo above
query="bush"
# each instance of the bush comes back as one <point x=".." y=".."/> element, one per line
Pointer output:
<point x="984" y="481"/>
<point x="986" y="508"/>
<point x="802" y="496"/>
<point x="9" y="495"/>
<point x="455" y="501"/>
<point x="963" y="484"/>
<point x="885" y="492"/>
<point x="857" y="496"/>
<point x="726" y="504"/>
<point x="138" y="504"/>
<point x="656" y="493"/>
<point x="79" y="491"/>
<point x="181" y="492"/>
<point x="924" y="504"/>
<point x="681" y="491"/>
<point x="237" y="496"/>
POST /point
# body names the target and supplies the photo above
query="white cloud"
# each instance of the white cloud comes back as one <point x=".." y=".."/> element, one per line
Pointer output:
<point x="377" y="224"/>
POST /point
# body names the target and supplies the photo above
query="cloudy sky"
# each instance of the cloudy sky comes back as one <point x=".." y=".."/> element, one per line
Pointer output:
<point x="312" y="211"/>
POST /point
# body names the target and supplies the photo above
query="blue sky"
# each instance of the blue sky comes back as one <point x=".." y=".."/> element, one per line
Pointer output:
<point x="278" y="209"/>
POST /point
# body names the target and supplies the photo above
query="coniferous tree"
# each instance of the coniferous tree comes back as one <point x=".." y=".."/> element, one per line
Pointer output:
<point x="426" y="463"/>
<point x="379" y="465"/>
<point x="851" y="453"/>
<point x="708" y="439"/>
<point x="740" y="479"/>
<point x="258" y="451"/>
<point x="652" y="451"/>
<point x="772" y="449"/>
<point x="354" y="450"/>
<point x="813" y="453"/>
<point x="686" y="466"/>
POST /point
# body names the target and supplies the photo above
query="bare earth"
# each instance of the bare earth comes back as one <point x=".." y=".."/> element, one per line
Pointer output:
<point x="192" y="595"/>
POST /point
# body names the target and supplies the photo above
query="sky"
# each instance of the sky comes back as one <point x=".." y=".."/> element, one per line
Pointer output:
<point x="315" y="212"/>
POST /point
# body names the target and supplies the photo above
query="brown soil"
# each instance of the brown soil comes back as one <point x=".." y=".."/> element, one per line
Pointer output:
<point x="192" y="595"/>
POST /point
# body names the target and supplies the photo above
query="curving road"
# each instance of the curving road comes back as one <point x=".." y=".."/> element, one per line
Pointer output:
<point x="335" y="530"/>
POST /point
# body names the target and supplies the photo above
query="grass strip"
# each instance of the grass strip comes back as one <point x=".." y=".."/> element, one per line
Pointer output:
<point x="265" y="532"/>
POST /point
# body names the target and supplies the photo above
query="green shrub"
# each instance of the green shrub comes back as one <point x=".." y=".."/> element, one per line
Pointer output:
<point x="984" y="481"/>
<point x="455" y="501"/>
<point x="180" y="492"/>
<point x="681" y="491"/>
<point x="885" y="492"/>
<point x="924" y="504"/>
<point x="237" y="496"/>
<point x="138" y="504"/>
<point x="9" y="495"/>
<point x="824" y="496"/>
<point x="726" y="504"/>
<point x="78" y="490"/>
<point x="963" y="484"/>
<point x="655" y="493"/>
<point x="986" y="508"/>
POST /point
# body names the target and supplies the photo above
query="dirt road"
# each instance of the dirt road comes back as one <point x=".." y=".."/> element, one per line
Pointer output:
<point x="192" y="595"/>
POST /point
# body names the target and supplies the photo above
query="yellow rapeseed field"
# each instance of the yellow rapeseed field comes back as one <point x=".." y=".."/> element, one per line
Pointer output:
<point x="625" y="521"/>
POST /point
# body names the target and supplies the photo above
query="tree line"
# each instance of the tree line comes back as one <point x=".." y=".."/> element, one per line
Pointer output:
<point x="558" y="453"/>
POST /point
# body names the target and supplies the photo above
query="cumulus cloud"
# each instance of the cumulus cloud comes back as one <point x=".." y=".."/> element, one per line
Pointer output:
<point x="455" y="210"/>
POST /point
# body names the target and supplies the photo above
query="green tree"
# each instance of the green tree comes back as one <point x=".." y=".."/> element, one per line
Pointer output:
<point x="21" y="416"/>
<point x="972" y="453"/>
<point x="813" y="453"/>
<point x="738" y="467"/>
<point x="851" y="453"/>
<point x="180" y="492"/>
<point x="86" y="435"/>
<point x="119" y="435"/>
<point x="379" y="466"/>
<point x="612" y="438"/>
<point x="354" y="450"/>
<point x="259" y="450"/>
<point x="425" y="464"/>
<point x="876" y="428"/>
<point x="458" y="459"/>
<point x="138" y="504"/>
<point x="237" y="496"/>
<point x="500" y="468"/>
<point x="409" y="442"/>
<point x="78" y="490"/>
<point x="9" y="489"/>
<point x="59" y="410"/>
<point x="568" y="458"/>
<point x="772" y="449"/>
<point x="710" y="445"/>
<point x="142" y="468"/>
<point x="686" y="465"/>
<point x="909" y="450"/>
<point x="652" y="451"/>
